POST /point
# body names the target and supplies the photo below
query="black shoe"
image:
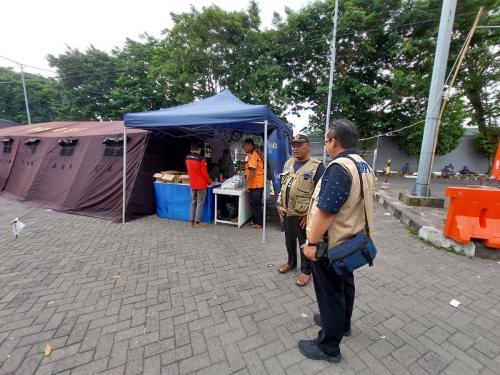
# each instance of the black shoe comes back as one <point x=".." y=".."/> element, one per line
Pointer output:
<point x="317" y="320"/>
<point x="310" y="350"/>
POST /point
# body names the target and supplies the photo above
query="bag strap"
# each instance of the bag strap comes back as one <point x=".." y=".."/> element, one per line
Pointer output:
<point x="261" y="156"/>
<point x="362" y="191"/>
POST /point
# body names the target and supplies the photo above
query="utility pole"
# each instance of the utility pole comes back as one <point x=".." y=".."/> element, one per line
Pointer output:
<point x="375" y="153"/>
<point x="332" y="72"/>
<point x="422" y="186"/>
<point x="455" y="71"/>
<point x="25" y="95"/>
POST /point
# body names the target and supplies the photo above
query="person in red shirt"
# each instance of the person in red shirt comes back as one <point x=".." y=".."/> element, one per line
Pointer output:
<point x="198" y="181"/>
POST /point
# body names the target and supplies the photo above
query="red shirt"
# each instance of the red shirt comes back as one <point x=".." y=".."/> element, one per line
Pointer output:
<point x="197" y="170"/>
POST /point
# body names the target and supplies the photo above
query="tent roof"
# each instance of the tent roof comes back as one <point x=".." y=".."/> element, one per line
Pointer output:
<point x="6" y="123"/>
<point x="62" y="129"/>
<point x="221" y="111"/>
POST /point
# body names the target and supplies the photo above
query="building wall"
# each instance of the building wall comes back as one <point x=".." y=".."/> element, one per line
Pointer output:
<point x="464" y="154"/>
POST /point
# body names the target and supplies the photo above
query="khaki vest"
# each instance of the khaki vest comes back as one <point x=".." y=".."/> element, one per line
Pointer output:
<point x="350" y="220"/>
<point x="301" y="187"/>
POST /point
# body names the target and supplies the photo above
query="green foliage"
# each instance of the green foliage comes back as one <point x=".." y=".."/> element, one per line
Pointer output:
<point x="136" y="89"/>
<point x="86" y="80"/>
<point x="210" y="50"/>
<point x="319" y="133"/>
<point x="476" y="90"/>
<point x="385" y="54"/>
<point x="450" y="132"/>
<point x="43" y="96"/>
<point x="487" y="141"/>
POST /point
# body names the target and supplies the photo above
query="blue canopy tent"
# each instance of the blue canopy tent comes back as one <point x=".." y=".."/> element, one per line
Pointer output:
<point x="217" y="116"/>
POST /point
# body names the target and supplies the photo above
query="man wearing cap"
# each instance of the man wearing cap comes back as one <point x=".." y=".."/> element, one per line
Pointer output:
<point x="298" y="179"/>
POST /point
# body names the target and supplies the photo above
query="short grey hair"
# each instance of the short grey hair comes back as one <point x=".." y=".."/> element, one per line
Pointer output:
<point x="345" y="132"/>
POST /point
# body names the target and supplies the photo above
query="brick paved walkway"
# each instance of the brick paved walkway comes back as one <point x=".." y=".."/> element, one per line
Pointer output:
<point x="154" y="296"/>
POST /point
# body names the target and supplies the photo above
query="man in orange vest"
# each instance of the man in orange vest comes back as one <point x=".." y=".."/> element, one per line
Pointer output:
<point x="254" y="173"/>
<point x="198" y="181"/>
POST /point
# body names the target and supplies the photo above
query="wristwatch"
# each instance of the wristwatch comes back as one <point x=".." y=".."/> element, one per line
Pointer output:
<point x="308" y="243"/>
<point x="321" y="248"/>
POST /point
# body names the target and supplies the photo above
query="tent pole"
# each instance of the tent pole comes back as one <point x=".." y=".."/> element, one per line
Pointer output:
<point x="265" y="185"/>
<point x="124" y="174"/>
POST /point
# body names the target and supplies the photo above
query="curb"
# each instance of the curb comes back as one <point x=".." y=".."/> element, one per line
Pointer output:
<point x="405" y="216"/>
<point x="424" y="232"/>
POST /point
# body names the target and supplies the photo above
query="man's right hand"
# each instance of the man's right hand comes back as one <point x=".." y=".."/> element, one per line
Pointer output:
<point x="281" y="212"/>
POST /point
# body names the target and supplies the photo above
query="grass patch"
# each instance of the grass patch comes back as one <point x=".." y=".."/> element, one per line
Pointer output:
<point x="414" y="232"/>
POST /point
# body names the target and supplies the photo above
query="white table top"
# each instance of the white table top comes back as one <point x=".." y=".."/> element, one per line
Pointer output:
<point x="237" y="191"/>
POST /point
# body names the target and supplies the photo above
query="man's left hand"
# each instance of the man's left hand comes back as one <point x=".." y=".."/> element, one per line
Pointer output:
<point x="303" y="222"/>
<point x="310" y="252"/>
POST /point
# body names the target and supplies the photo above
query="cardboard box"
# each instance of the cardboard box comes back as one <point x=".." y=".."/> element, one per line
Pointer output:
<point x="184" y="178"/>
<point x="173" y="172"/>
<point x="159" y="177"/>
<point x="168" y="176"/>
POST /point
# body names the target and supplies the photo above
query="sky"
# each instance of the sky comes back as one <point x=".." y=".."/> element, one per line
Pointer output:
<point x="32" y="29"/>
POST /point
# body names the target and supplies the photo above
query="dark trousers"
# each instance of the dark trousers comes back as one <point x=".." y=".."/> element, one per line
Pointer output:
<point x="255" y="197"/>
<point x="335" y="295"/>
<point x="294" y="232"/>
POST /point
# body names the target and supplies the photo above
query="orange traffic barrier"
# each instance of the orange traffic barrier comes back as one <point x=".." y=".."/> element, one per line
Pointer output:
<point x="495" y="172"/>
<point x="473" y="214"/>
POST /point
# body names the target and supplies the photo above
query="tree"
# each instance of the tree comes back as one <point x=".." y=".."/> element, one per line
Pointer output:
<point x="363" y="90"/>
<point x="87" y="80"/>
<point x="385" y="52"/>
<point x="197" y="52"/>
<point x="209" y="50"/>
<point x="476" y="90"/>
<point x="480" y="77"/>
<point x="136" y="88"/>
<point x="450" y="133"/>
<point x="43" y="95"/>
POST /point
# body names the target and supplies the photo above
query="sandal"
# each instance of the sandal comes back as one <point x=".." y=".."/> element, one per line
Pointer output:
<point x="284" y="268"/>
<point x="303" y="279"/>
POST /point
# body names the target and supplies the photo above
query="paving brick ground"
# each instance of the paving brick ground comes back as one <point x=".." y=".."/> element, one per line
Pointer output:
<point x="153" y="296"/>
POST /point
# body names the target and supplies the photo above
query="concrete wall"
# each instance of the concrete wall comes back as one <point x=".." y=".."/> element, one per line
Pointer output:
<point x="464" y="154"/>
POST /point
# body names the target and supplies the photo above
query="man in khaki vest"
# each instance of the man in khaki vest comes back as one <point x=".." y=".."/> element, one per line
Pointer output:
<point x="298" y="179"/>
<point x="337" y="211"/>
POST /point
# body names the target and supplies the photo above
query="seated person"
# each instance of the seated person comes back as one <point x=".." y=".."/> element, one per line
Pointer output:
<point x="226" y="164"/>
<point x="213" y="170"/>
<point x="448" y="171"/>
<point x="405" y="169"/>
<point x="465" y="171"/>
